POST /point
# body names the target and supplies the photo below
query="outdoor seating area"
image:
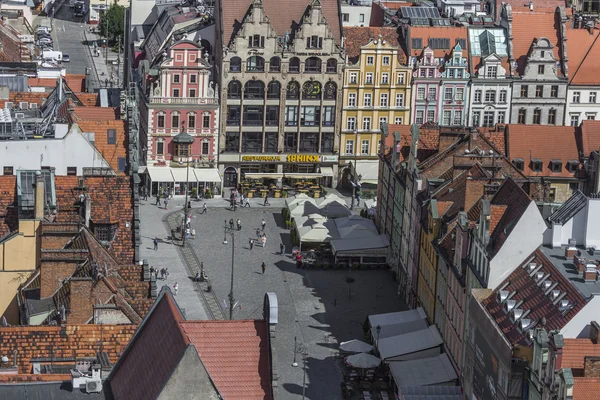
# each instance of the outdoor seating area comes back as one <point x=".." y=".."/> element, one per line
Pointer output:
<point x="365" y="377"/>
<point x="260" y="187"/>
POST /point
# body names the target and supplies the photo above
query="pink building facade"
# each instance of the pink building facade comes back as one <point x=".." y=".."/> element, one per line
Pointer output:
<point x="426" y="86"/>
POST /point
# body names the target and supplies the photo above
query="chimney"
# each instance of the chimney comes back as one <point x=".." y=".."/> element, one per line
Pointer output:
<point x="594" y="329"/>
<point x="39" y="195"/>
<point x="590" y="273"/>
<point x="531" y="6"/>
<point x="591" y="367"/>
<point x="579" y="263"/>
<point x="87" y="209"/>
<point x="571" y="250"/>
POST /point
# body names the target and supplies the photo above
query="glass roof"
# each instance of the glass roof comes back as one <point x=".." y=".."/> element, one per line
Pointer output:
<point x="485" y="41"/>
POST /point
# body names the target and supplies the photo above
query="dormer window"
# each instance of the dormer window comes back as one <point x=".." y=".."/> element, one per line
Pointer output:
<point x="536" y="165"/>
<point x="491" y="71"/>
<point x="256" y="41"/>
<point x="572" y="165"/>
<point x="556" y="166"/>
<point x="314" y="42"/>
<point x="519" y="164"/>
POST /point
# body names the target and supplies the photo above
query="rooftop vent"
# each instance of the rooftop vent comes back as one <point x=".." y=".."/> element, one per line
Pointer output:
<point x="531" y="334"/>
<point x="564" y="305"/>
<point x="502" y="296"/>
<point x="517" y="313"/>
<point x="547" y="284"/>
<point x="572" y="242"/>
<point x="525" y="322"/>
<point x="509" y="305"/>
<point x="554" y="294"/>
<point x="539" y="276"/>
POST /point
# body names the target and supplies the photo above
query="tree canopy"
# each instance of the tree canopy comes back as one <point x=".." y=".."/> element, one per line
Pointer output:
<point x="112" y="22"/>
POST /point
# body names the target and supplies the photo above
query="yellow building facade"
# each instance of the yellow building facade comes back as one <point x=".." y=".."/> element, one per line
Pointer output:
<point x="428" y="262"/>
<point x="376" y="91"/>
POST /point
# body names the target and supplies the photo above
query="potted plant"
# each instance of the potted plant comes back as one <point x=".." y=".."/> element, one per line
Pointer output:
<point x="208" y="193"/>
<point x="284" y="193"/>
<point x="194" y="193"/>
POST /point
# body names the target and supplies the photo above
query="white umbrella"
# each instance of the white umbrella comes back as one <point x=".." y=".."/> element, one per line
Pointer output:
<point x="363" y="360"/>
<point x="356" y="346"/>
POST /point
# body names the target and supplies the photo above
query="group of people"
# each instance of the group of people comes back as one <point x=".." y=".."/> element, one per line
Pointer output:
<point x="161" y="274"/>
<point x="238" y="224"/>
<point x="165" y="195"/>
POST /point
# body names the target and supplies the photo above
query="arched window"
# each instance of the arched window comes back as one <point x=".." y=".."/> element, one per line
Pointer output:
<point x="294" y="65"/>
<point x="293" y="91"/>
<point x="254" y="90"/>
<point x="235" y="65"/>
<point x="312" y="64"/>
<point x="273" y="90"/>
<point x="234" y="90"/>
<point x="331" y="66"/>
<point x="275" y="64"/>
<point x="255" y="63"/>
<point x="311" y="90"/>
<point x="330" y="92"/>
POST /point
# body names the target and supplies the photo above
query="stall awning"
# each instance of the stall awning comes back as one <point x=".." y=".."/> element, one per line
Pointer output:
<point x="207" y="174"/>
<point x="368" y="171"/>
<point x="160" y="174"/>
<point x="327" y="171"/>
<point x="307" y="175"/>
<point x="268" y="175"/>
<point x="181" y="174"/>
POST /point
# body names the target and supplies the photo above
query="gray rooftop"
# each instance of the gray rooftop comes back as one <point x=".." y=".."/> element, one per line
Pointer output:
<point x="46" y="391"/>
<point x="568" y="269"/>
<point x="569" y="208"/>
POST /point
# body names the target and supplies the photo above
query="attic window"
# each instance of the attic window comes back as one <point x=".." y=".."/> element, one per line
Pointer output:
<point x="556" y="166"/>
<point x="572" y="165"/>
<point x="112" y="136"/>
<point x="519" y="164"/>
<point x="105" y="232"/>
<point x="536" y="165"/>
<point x="417" y="43"/>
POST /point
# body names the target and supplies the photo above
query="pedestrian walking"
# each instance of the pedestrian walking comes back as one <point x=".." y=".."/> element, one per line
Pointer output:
<point x="166" y="203"/>
<point x="251" y="243"/>
<point x="257" y="233"/>
<point x="144" y="193"/>
<point x="162" y="274"/>
<point x="262" y="224"/>
<point x="152" y="271"/>
<point x="247" y="203"/>
<point x="264" y="267"/>
<point x="155" y="241"/>
<point x="166" y="273"/>
<point x="203" y="209"/>
<point x="157" y="200"/>
<point x="231" y="223"/>
<point x="266" y="203"/>
<point x="282" y="249"/>
<point x="175" y="288"/>
<point x="239" y="224"/>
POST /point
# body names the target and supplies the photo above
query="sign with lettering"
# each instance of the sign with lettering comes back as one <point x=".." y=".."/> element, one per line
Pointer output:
<point x="329" y="158"/>
<point x="262" y="158"/>
<point x="303" y="158"/>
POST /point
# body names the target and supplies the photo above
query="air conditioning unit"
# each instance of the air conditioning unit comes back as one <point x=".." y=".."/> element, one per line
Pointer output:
<point x="93" y="386"/>
<point x="8" y="105"/>
<point x="33" y="106"/>
<point x="19" y="115"/>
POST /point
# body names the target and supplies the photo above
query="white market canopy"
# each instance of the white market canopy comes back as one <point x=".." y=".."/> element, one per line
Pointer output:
<point x="317" y="233"/>
<point x="423" y="372"/>
<point x="410" y="343"/>
<point x="363" y="360"/>
<point x="396" y="317"/>
<point x="356" y="346"/>
<point x="360" y="243"/>
<point x="160" y="174"/>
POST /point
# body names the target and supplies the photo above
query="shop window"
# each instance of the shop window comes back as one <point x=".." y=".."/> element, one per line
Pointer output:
<point x="232" y="141"/>
<point x="273" y="90"/>
<point x="233" y="115"/>
<point x="271" y="139"/>
<point x="293" y="91"/>
<point x="253" y="116"/>
<point x="251" y="142"/>
<point x="275" y="64"/>
<point x="309" y="142"/>
<point x="234" y="90"/>
<point x="290" y="142"/>
<point x="254" y="90"/>
<point x="272" y="116"/>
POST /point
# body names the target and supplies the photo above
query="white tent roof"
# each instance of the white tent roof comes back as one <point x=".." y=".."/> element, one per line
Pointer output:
<point x="304" y="208"/>
<point x="360" y="243"/>
<point x="318" y="233"/>
<point x="423" y="372"/>
<point x="160" y="174"/>
<point x="335" y="210"/>
<point x="298" y="199"/>
<point x="207" y="174"/>
<point x="332" y="198"/>
<point x="183" y="174"/>
<point x="409" y="343"/>
<point x="400" y="329"/>
<point x="397" y="317"/>
<point x="431" y="390"/>
<point x="355" y="226"/>
<point x="310" y="220"/>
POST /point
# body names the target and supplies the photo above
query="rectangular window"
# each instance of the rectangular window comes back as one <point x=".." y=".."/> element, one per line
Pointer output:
<point x="537" y="116"/>
<point x="233" y="115"/>
<point x="554" y="91"/>
<point x="232" y="141"/>
<point x="383" y="100"/>
<point x="327" y="142"/>
<point x="417" y="43"/>
<point x="419" y="117"/>
<point x="539" y="91"/>
<point x="256" y="41"/>
<point x="192" y="93"/>
<point x="398" y="120"/>
<point x="349" y="146"/>
<point x="385" y="78"/>
<point x="351" y="99"/>
<point x="592" y="97"/>
<point x="176" y="78"/>
<point x="353" y="78"/>
<point x="329" y="116"/>
<point x="524" y="90"/>
<point x="430" y="116"/>
<point x="253" y="116"/>
<point x="488" y="118"/>
<point x="361" y="18"/>
<point x="206" y="121"/>
<point x="491" y="71"/>
<point x="490" y="96"/>
<point x="251" y="142"/>
<point x="551" y="116"/>
<point x="574" y="119"/>
<point x="430" y="73"/>
<point x="421" y="93"/>
<point x="366" y="123"/>
<point x="367" y="100"/>
<point x="522" y="116"/>
<point x="351" y="123"/>
<point x="576" y="97"/>
<point x="369" y="78"/>
<point x="191" y="121"/>
<point x="193" y="78"/>
<point x="364" y="147"/>
<point x="457" y="117"/>
<point x="446" y="117"/>
<point x="160" y="121"/>
<point x="111" y="136"/>
<point x="386" y="60"/>
<point x="477" y="96"/>
<point x="310" y="116"/>
<point x="314" y="42"/>
<point x="590" y="116"/>
<point x="175" y="121"/>
<point x="460" y="94"/>
<point x="160" y="148"/>
<point x="448" y="94"/>
<point x="541" y="69"/>
<point x="382" y="121"/>
<point x="271" y="140"/>
<point x="476" y="118"/>
<point x="175" y="92"/>
<point x="370" y="60"/>
<point x="7" y="170"/>
<point x="399" y="99"/>
<point x="272" y="116"/>
<point x="72" y="171"/>
<point x="503" y="95"/>
<point x="431" y="95"/>
<point x="400" y="79"/>
<point x="345" y="17"/>
<point x="205" y="148"/>
<point x="122" y="164"/>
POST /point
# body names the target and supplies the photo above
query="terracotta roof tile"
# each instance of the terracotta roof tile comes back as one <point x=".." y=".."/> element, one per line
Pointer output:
<point x="100" y="126"/>
<point x="586" y="388"/>
<point x="357" y="36"/>
<point x="496" y="213"/>
<point x="237" y="349"/>
<point x="425" y="33"/>
<point x="76" y="82"/>
<point x="88" y="99"/>
<point x="543" y="142"/>
<point x="30" y="97"/>
<point x="8" y="204"/>
<point x="590" y="136"/>
<point x="584" y="56"/>
<point x="528" y="26"/>
<point x="532" y="300"/>
<point x="575" y="350"/>
<point x="463" y="192"/>
<point x="95" y="113"/>
<point x="395" y="5"/>
<point x="42" y="82"/>
<point x="284" y="15"/>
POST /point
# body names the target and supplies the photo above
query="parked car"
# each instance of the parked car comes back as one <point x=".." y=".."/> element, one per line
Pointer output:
<point x="66" y="58"/>
<point x="44" y="41"/>
<point x="43" y="28"/>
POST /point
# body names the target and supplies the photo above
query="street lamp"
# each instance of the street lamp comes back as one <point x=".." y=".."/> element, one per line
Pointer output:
<point x="231" y="299"/>
<point x="354" y="180"/>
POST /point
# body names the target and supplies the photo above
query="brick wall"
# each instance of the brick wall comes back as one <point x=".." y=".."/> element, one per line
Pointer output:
<point x="67" y="341"/>
<point x="591" y="368"/>
<point x="55" y="242"/>
<point x="53" y="273"/>
<point x="82" y="301"/>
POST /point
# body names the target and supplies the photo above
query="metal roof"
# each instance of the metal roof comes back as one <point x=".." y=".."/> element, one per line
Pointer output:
<point x="420" y="12"/>
<point x="569" y="208"/>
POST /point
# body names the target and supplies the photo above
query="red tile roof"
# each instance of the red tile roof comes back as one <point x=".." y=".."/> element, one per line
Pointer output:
<point x="97" y="114"/>
<point x="545" y="143"/>
<point x="357" y="36"/>
<point x="586" y="388"/>
<point x="8" y="204"/>
<point x="590" y="136"/>
<point x="29" y="97"/>
<point x="284" y="15"/>
<point x="42" y="82"/>
<point x="532" y="299"/>
<point x="236" y="355"/>
<point x="88" y="99"/>
<point x="528" y="26"/>
<point x="394" y="5"/>
<point x="425" y="33"/>
<point x="575" y="350"/>
<point x="76" y="82"/>
<point x="104" y="120"/>
<point x="584" y="56"/>
<point x="496" y="213"/>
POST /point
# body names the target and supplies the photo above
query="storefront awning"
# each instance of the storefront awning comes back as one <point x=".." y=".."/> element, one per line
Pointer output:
<point x="181" y="175"/>
<point x="142" y="169"/>
<point x="327" y="171"/>
<point x="207" y="174"/>
<point x="268" y="175"/>
<point x="368" y="171"/>
<point x="307" y="175"/>
<point x="160" y="174"/>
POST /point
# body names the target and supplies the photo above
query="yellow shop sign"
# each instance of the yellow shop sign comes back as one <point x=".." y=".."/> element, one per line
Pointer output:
<point x="303" y="158"/>
<point x="261" y="158"/>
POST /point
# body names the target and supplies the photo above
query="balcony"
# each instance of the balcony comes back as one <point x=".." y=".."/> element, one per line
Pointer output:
<point x="183" y="100"/>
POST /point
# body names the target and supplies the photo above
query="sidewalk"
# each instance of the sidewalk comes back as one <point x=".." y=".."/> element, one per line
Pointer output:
<point x="104" y="71"/>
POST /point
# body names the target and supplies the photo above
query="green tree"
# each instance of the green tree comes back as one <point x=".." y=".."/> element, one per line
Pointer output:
<point x="112" y="23"/>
